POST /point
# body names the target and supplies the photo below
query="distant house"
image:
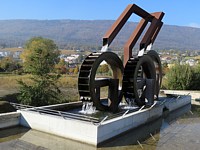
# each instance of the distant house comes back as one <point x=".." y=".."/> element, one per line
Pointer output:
<point x="191" y="62"/>
<point x="166" y="59"/>
<point x="71" y="59"/>
<point x="16" y="54"/>
<point x="198" y="53"/>
<point x="6" y="53"/>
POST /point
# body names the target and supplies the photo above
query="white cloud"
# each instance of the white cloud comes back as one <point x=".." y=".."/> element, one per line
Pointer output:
<point x="195" y="25"/>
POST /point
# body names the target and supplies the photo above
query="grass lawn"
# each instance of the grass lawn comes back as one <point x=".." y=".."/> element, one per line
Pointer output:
<point x="9" y="87"/>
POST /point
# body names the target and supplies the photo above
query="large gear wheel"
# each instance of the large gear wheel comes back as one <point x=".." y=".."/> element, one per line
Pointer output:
<point x="89" y="84"/>
<point x="157" y="63"/>
<point x="136" y="71"/>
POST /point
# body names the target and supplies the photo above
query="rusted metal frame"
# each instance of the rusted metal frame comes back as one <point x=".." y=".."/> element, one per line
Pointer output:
<point x="152" y="31"/>
<point x="146" y="40"/>
<point x="119" y="23"/>
<point x="159" y="16"/>
<point x="156" y="32"/>
<point x="133" y="39"/>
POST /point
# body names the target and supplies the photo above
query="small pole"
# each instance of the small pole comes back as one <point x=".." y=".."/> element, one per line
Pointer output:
<point x="103" y="119"/>
<point x="140" y="144"/>
<point x="141" y="108"/>
<point x="125" y="113"/>
<point x="191" y="112"/>
<point x="152" y="137"/>
<point x="153" y="105"/>
<point x="60" y="114"/>
<point x="163" y="102"/>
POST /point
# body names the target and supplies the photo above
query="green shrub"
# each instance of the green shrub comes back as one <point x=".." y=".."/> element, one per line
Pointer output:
<point x="182" y="77"/>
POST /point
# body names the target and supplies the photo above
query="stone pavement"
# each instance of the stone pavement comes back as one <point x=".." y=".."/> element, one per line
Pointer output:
<point x="19" y="145"/>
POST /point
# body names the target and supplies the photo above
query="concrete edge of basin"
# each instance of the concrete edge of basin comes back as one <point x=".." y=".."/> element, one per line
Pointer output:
<point x="94" y="134"/>
<point x="9" y="119"/>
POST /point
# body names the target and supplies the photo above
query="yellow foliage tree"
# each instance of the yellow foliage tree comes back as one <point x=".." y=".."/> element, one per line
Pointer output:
<point x="76" y="70"/>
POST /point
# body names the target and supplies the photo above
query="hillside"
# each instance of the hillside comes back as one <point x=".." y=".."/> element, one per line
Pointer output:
<point x="84" y="33"/>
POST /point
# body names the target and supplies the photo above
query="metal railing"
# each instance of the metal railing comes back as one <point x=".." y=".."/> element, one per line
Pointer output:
<point x="65" y="115"/>
<point x="69" y="115"/>
<point x="20" y="106"/>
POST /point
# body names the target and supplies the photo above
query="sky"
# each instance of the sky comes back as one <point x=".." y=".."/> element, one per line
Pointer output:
<point x="177" y="12"/>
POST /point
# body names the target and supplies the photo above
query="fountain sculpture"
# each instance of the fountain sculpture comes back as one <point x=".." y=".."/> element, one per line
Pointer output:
<point x="138" y="78"/>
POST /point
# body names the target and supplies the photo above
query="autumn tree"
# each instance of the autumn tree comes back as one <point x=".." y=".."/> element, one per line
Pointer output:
<point x="76" y="70"/>
<point x="39" y="59"/>
<point x="8" y="64"/>
<point x="71" y="70"/>
<point x="61" y="67"/>
<point x="40" y="56"/>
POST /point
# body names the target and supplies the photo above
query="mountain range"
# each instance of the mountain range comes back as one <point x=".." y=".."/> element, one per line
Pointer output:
<point x="88" y="33"/>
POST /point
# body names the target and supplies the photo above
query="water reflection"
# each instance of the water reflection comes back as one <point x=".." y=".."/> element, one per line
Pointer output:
<point x="172" y="132"/>
<point x="33" y="140"/>
<point x="149" y="133"/>
<point x="12" y="133"/>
